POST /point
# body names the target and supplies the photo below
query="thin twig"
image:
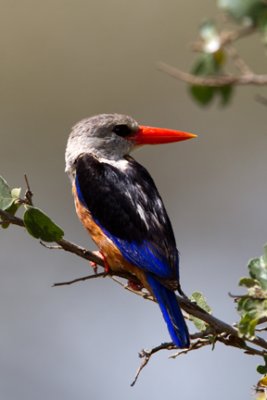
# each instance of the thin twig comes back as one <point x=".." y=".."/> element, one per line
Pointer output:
<point x="145" y="295"/>
<point x="147" y="354"/>
<point x="84" y="278"/>
<point x="194" y="346"/>
<point x="29" y="193"/>
<point x="261" y="329"/>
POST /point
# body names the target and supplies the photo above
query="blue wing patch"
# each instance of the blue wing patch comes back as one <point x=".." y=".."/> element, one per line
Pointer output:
<point x="144" y="255"/>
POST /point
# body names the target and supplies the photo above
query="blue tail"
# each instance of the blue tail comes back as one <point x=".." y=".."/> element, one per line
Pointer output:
<point x="171" y="312"/>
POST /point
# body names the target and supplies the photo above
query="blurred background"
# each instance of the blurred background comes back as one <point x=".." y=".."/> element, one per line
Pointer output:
<point x="65" y="60"/>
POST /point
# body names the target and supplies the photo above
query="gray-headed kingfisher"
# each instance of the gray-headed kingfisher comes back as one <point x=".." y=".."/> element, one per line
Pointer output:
<point x="118" y="203"/>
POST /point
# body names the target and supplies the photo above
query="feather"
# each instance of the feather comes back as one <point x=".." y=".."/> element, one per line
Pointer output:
<point x="171" y="312"/>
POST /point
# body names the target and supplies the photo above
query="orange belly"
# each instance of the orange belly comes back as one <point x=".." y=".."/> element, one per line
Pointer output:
<point x="111" y="253"/>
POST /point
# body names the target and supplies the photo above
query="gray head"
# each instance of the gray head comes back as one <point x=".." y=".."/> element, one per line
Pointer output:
<point x="111" y="136"/>
<point x="107" y="136"/>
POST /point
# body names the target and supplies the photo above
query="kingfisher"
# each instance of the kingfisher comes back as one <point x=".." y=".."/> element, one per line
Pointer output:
<point x="118" y="203"/>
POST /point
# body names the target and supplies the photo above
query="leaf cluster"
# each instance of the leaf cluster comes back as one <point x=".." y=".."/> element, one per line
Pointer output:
<point x="37" y="223"/>
<point x="253" y="305"/>
<point x="210" y="64"/>
<point x="213" y="49"/>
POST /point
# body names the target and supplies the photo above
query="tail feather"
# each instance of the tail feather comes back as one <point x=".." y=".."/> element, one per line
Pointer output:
<point x="171" y="311"/>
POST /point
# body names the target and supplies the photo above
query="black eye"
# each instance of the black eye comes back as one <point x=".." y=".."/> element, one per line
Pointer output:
<point x="122" y="130"/>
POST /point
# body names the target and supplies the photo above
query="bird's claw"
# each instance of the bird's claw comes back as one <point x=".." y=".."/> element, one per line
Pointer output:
<point x="137" y="287"/>
<point x="94" y="264"/>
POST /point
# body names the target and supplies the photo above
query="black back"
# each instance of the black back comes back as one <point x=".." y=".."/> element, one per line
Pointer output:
<point x="127" y="205"/>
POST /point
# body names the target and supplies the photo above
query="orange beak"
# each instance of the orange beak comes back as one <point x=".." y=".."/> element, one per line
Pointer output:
<point x="151" y="135"/>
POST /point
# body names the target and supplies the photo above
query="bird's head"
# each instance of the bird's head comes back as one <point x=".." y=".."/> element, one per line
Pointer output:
<point x="112" y="136"/>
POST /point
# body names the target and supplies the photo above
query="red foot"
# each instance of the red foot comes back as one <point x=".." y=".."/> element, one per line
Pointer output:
<point x="94" y="264"/>
<point x="106" y="265"/>
<point x="135" y="286"/>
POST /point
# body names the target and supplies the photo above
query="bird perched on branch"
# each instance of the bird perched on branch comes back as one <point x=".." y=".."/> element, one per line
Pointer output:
<point x="118" y="203"/>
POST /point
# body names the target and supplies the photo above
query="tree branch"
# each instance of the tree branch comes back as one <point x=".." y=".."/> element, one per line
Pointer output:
<point x="221" y="80"/>
<point x="6" y="217"/>
<point x="217" y="330"/>
<point x="225" y="39"/>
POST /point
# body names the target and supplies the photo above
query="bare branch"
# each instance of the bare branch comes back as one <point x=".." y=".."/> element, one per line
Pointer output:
<point x="147" y="354"/>
<point x="221" y="80"/>
<point x="145" y="295"/>
<point x="226" y="39"/>
<point x="201" y="342"/>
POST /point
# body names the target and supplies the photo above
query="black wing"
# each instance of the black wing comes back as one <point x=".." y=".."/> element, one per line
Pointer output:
<point x="129" y="209"/>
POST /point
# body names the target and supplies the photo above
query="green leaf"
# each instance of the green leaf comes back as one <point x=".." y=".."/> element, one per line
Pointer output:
<point x="247" y="326"/>
<point x="253" y="306"/>
<point x="262" y="23"/>
<point x="6" y="198"/>
<point x="205" y="65"/>
<point x="40" y="226"/>
<point x="202" y="94"/>
<point x="248" y="282"/>
<point x="205" y="94"/>
<point x="251" y="310"/>
<point x="202" y="303"/>
<point x="258" y="270"/>
<point x="262" y="369"/>
<point x="226" y="93"/>
<point x="210" y="65"/>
